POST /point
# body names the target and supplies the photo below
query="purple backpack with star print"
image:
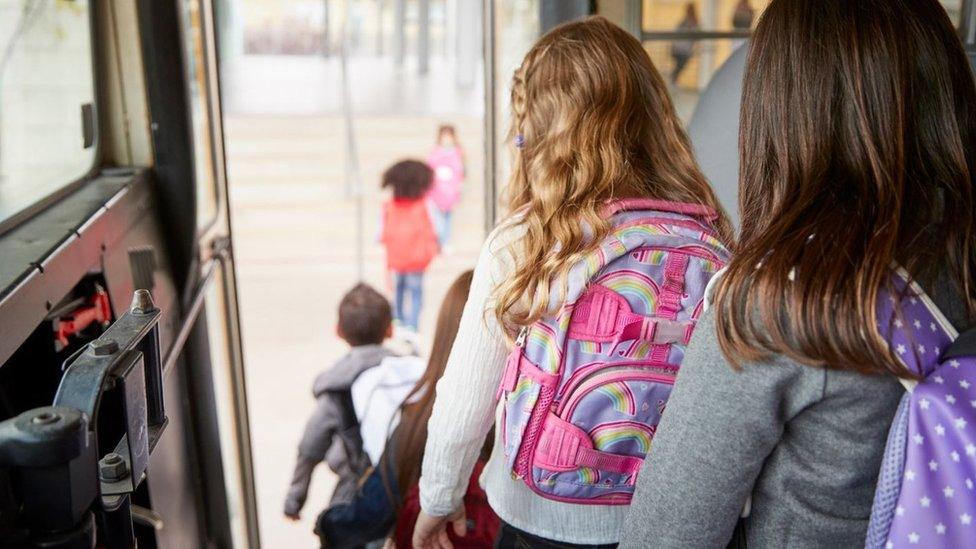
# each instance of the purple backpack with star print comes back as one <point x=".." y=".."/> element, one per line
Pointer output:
<point x="926" y="495"/>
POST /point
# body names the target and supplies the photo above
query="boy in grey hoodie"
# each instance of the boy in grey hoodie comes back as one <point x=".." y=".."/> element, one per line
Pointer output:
<point x="332" y="432"/>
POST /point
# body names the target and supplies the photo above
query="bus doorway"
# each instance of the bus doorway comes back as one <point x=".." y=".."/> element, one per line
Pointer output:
<point x="319" y="98"/>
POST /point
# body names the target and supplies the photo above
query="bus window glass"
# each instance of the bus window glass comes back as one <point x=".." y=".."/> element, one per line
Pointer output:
<point x="196" y="59"/>
<point x="516" y="27"/>
<point x="689" y="40"/>
<point x="47" y="116"/>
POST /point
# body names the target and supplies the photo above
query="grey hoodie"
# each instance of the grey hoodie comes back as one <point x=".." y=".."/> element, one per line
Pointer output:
<point x="334" y="421"/>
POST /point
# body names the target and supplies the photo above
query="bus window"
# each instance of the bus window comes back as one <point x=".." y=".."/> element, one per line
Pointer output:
<point x="198" y="73"/>
<point x="47" y="115"/>
<point x="513" y="26"/>
<point x="688" y="40"/>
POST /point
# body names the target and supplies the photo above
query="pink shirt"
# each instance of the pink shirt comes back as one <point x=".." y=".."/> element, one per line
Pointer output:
<point x="448" y="166"/>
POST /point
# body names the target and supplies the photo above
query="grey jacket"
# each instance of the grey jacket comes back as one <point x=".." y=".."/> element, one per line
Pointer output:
<point x="332" y="432"/>
<point x="805" y="443"/>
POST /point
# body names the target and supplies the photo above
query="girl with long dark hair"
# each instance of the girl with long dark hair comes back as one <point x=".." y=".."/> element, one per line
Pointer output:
<point x="857" y="155"/>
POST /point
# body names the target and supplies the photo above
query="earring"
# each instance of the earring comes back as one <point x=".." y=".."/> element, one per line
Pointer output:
<point x="519" y="141"/>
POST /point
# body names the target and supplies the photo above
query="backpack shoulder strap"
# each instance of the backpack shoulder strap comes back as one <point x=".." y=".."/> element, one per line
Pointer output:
<point x="913" y="326"/>
<point x="964" y="345"/>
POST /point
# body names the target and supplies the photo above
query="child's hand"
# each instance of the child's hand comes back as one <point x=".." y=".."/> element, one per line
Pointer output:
<point x="293" y="517"/>
<point x="431" y="532"/>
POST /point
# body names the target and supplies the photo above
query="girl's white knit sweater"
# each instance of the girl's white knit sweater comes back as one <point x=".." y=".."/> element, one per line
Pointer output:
<point x="465" y="410"/>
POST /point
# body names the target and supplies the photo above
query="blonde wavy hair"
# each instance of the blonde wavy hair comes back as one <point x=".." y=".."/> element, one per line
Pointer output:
<point x="592" y="121"/>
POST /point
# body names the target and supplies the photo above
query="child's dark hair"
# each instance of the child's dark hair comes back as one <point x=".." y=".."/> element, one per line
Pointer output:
<point x="446" y="128"/>
<point x="410" y="179"/>
<point x="364" y="316"/>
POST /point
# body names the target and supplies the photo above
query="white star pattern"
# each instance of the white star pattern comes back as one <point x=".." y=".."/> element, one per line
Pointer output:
<point x="899" y="323"/>
<point x="900" y="511"/>
<point x="950" y="399"/>
<point x="914" y="301"/>
<point x="961" y="423"/>
<point x="932" y="326"/>
<point x="940" y="529"/>
<point x="921" y="349"/>
<point x="971" y="449"/>
<point x="969" y="484"/>
<point x="965" y="518"/>
<point x="955" y="456"/>
<point x="889" y="545"/>
<point x="901" y="349"/>
<point x="948" y="492"/>
<point x="938" y="379"/>
<point x="923" y="404"/>
<point x="933" y="466"/>
<point x="909" y="475"/>
<point x="964" y="384"/>
<point x="940" y="430"/>
<point x="954" y="363"/>
<point x="913" y="538"/>
<point x="937" y="350"/>
<point x="917" y="324"/>
<point x="925" y="502"/>
<point x="972" y="403"/>
<point x="919" y="439"/>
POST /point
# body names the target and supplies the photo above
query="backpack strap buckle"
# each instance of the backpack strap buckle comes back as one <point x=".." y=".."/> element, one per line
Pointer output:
<point x="605" y="316"/>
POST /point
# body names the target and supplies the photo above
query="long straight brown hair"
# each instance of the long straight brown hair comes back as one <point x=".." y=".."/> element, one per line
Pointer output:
<point x="410" y="436"/>
<point x="857" y="141"/>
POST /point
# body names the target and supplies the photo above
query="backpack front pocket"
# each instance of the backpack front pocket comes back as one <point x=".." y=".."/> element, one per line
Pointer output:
<point x="617" y="408"/>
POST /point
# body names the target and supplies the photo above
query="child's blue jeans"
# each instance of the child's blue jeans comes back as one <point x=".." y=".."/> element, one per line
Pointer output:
<point x="442" y="224"/>
<point x="409" y="287"/>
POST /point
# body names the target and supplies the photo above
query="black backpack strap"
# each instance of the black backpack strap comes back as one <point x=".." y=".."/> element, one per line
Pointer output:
<point x="964" y="345"/>
<point x="347" y="411"/>
<point x="348" y="433"/>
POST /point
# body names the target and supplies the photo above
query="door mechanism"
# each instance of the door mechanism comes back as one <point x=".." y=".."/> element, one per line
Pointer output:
<point x="54" y="485"/>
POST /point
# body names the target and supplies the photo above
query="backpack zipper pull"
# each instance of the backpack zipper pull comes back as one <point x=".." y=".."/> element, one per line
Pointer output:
<point x="520" y="340"/>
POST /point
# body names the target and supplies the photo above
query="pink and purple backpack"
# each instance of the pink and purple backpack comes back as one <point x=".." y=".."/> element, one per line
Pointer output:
<point x="585" y="388"/>
<point x="926" y="494"/>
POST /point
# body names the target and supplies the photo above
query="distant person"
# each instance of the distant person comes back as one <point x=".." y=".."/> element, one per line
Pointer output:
<point x="742" y="19"/>
<point x="332" y="433"/>
<point x="598" y="149"/>
<point x="683" y="49"/>
<point x="743" y="16"/>
<point x="447" y="161"/>
<point x="409" y="236"/>
<point x="387" y="503"/>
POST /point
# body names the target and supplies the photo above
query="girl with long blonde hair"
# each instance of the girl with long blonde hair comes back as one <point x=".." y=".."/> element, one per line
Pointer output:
<point x="592" y="123"/>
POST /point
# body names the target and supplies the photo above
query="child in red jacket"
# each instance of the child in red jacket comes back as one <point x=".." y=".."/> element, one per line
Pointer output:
<point x="408" y="235"/>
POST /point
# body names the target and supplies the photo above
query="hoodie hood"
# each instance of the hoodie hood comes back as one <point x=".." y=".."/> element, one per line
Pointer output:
<point x="342" y="374"/>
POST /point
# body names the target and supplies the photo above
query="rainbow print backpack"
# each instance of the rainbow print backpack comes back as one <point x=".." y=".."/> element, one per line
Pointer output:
<point x="585" y="389"/>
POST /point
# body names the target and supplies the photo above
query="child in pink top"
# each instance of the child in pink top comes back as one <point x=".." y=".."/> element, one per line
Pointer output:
<point x="447" y="161"/>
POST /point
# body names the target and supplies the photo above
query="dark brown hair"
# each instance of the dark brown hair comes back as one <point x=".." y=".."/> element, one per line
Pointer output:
<point x="856" y="145"/>
<point x="410" y="179"/>
<point x="411" y="434"/>
<point x="447" y="129"/>
<point x="364" y="316"/>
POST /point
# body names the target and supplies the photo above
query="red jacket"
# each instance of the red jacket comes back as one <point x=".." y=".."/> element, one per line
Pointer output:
<point x="408" y="235"/>
<point x="483" y="523"/>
